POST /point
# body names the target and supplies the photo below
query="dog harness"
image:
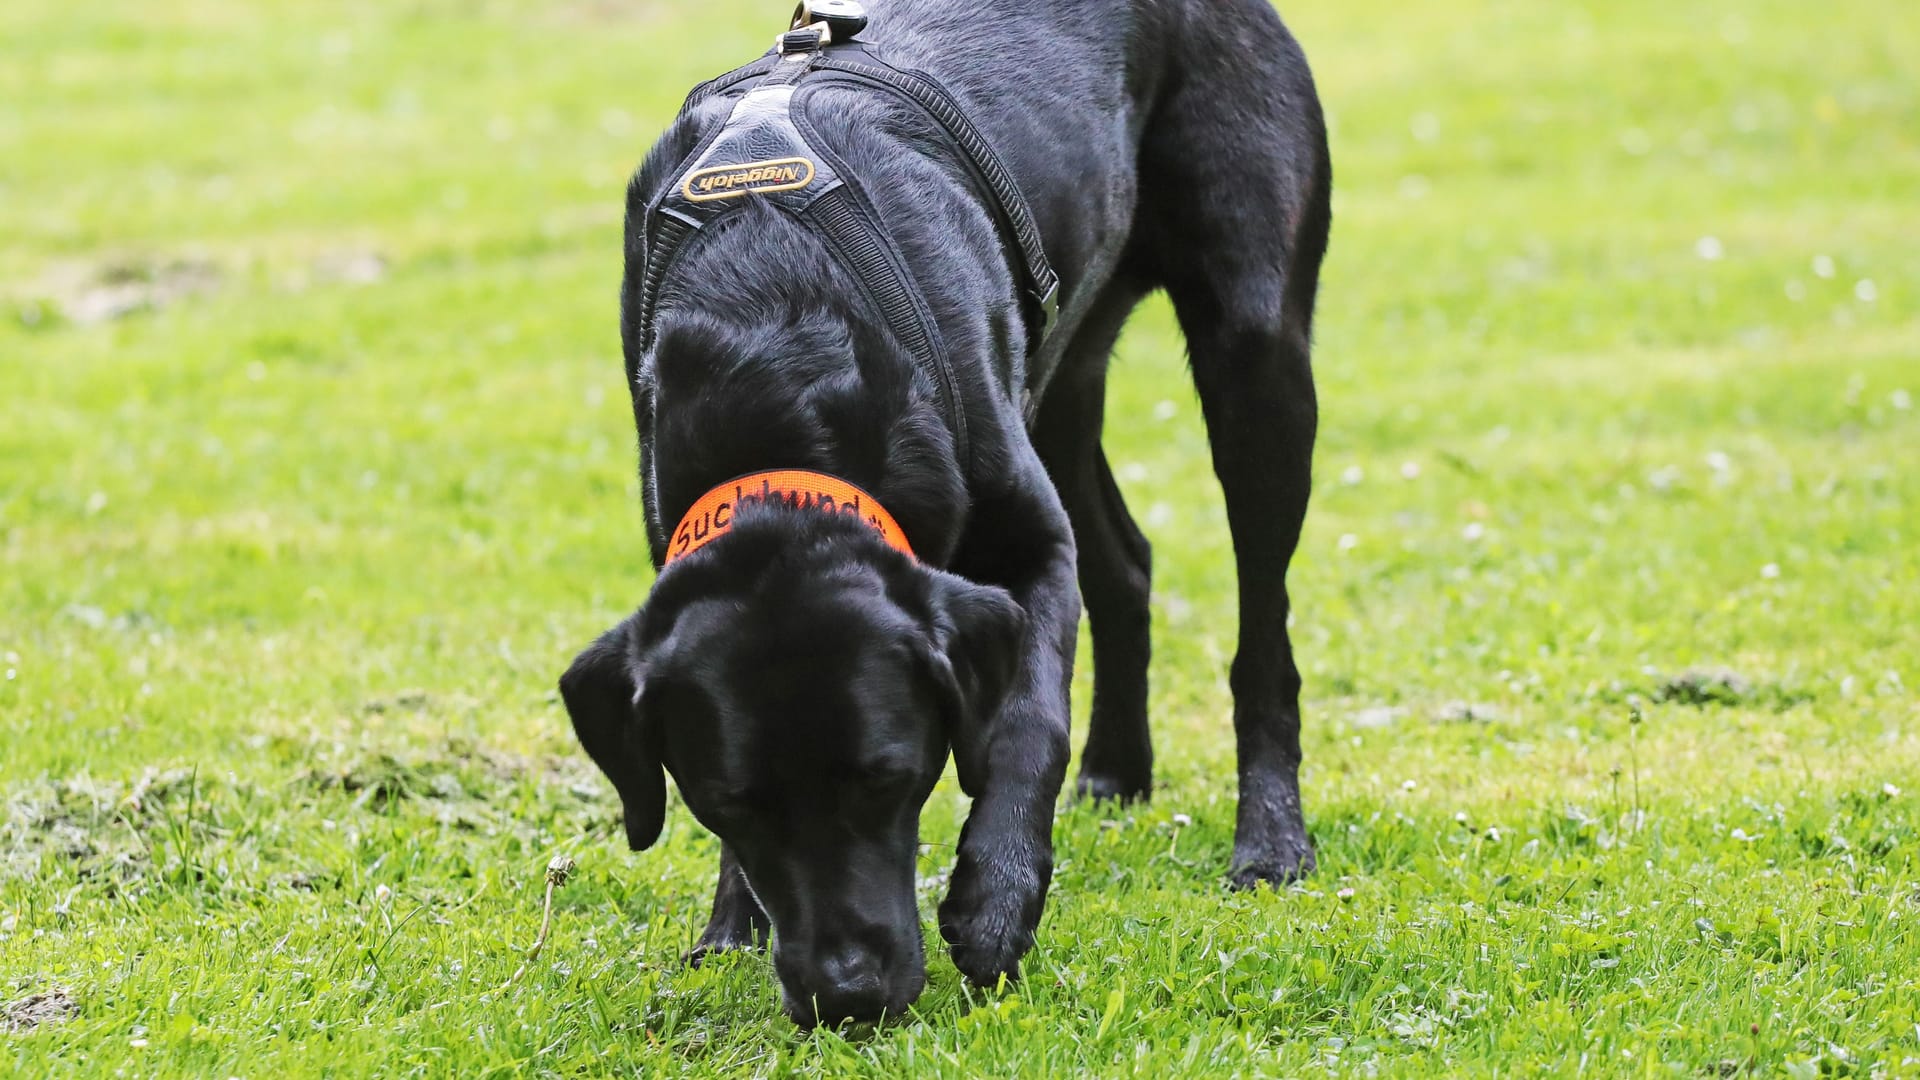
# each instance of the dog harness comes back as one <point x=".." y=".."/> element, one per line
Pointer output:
<point x="769" y="150"/>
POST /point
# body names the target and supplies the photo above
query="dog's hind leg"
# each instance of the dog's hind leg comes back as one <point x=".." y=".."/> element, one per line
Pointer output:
<point x="1236" y="190"/>
<point x="737" y="922"/>
<point x="1115" y="560"/>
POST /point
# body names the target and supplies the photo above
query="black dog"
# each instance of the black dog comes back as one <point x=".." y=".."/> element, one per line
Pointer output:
<point x="801" y="675"/>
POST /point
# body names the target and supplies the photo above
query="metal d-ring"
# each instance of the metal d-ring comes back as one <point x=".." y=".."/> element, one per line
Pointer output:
<point x="845" y="18"/>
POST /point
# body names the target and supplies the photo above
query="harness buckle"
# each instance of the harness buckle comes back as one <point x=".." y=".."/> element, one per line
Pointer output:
<point x="1049" y="306"/>
<point x="802" y="40"/>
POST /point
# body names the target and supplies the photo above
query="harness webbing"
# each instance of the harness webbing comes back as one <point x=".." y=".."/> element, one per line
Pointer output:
<point x="830" y="202"/>
<point x="1010" y="205"/>
<point x="844" y="223"/>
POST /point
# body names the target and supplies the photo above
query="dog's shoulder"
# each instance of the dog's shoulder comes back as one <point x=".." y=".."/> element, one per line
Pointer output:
<point x="670" y="152"/>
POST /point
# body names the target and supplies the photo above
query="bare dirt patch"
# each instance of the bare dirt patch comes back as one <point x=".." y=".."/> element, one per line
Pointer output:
<point x="115" y="290"/>
<point x="45" y="1008"/>
<point x="101" y="828"/>
<point x="452" y="771"/>
<point x="1706" y="688"/>
<point x="350" y="268"/>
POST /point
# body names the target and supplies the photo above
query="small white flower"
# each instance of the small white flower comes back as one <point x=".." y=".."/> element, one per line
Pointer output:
<point x="1866" y="290"/>
<point x="1348" y="542"/>
<point x="1182" y="820"/>
<point x="1460" y="816"/>
<point x="382" y="894"/>
<point x="1718" y="461"/>
<point x="1345" y="894"/>
<point x="1796" y="291"/>
<point x="1709" y="248"/>
<point x="1407" y="785"/>
<point x="1770" y="571"/>
<point x="1493" y="832"/>
<point x="1353" y="475"/>
<point x="1823" y="266"/>
<point x="1410" y="469"/>
<point x="1901" y="401"/>
<point x="137" y="1044"/>
<point x="1473" y="531"/>
<point x="1741" y="835"/>
<point x="1890" y="791"/>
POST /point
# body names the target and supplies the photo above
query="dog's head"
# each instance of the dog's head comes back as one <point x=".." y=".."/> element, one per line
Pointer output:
<point x="803" y="683"/>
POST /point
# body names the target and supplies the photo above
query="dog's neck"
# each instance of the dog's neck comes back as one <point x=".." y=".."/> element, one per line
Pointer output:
<point x="781" y="371"/>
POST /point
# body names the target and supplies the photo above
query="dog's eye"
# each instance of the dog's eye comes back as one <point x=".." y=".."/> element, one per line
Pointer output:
<point x="727" y="803"/>
<point x="886" y="778"/>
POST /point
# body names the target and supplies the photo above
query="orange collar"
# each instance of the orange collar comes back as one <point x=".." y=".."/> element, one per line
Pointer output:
<point x="713" y="513"/>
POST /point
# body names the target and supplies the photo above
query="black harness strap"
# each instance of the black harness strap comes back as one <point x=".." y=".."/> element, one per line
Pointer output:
<point x="849" y="229"/>
<point x="763" y="152"/>
<point x="1015" y="217"/>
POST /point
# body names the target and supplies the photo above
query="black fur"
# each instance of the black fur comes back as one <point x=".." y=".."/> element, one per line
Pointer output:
<point x="803" y="682"/>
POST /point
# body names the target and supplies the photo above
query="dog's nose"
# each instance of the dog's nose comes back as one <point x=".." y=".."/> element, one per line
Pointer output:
<point x="847" y="983"/>
<point x="850" y="970"/>
<point x="847" y="986"/>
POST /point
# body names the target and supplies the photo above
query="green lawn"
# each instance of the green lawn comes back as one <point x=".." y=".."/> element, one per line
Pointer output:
<point x="316" y="468"/>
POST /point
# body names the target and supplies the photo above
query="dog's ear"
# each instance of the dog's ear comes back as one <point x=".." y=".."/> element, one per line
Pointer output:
<point x="603" y="693"/>
<point x="976" y="636"/>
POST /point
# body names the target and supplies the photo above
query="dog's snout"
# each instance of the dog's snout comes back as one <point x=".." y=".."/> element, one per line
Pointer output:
<point x="849" y="982"/>
<point x="848" y="986"/>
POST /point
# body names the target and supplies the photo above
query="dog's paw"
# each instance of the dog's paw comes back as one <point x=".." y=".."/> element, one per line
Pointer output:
<point x="707" y="948"/>
<point x="1283" y="867"/>
<point x="714" y="942"/>
<point x="988" y="920"/>
<point x="1101" y="787"/>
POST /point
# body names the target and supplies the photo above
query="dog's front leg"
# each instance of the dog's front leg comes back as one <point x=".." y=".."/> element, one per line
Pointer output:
<point x="737" y="922"/>
<point x="1005" y="860"/>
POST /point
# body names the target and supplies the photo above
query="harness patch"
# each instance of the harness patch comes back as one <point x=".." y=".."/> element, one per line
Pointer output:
<point x="753" y="178"/>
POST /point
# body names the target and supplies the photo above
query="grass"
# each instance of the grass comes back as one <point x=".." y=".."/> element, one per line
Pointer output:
<point x="315" y="468"/>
